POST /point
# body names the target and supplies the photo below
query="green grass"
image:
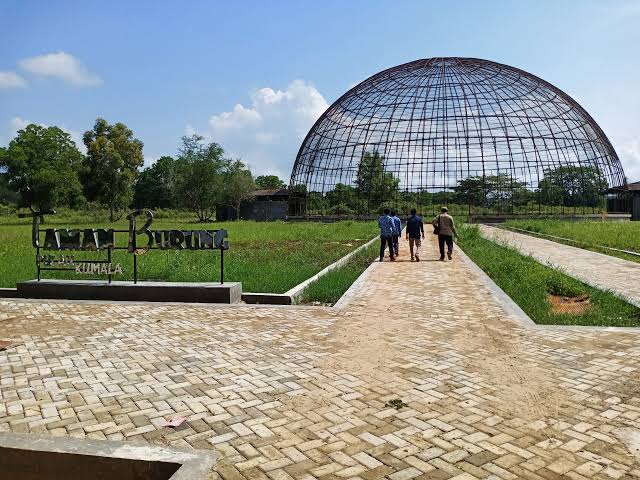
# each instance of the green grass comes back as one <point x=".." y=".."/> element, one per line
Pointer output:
<point x="590" y="234"/>
<point x="528" y="283"/>
<point x="264" y="256"/>
<point x="328" y="289"/>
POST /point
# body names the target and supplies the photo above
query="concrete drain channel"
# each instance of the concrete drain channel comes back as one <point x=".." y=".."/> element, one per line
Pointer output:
<point x="30" y="457"/>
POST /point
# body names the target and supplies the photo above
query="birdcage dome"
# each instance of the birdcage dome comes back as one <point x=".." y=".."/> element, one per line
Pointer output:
<point x="473" y="134"/>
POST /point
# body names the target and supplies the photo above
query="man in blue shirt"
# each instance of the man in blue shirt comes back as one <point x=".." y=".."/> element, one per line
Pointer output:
<point x="397" y="231"/>
<point x="386" y="235"/>
<point x="415" y="230"/>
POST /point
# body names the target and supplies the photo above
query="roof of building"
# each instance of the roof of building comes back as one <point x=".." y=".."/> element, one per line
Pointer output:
<point x="278" y="192"/>
<point x="633" y="186"/>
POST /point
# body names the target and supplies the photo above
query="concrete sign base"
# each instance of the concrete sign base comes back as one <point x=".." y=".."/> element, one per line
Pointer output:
<point x="230" y="292"/>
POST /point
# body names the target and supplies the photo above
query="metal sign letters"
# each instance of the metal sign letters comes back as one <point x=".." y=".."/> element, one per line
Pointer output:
<point x="140" y="240"/>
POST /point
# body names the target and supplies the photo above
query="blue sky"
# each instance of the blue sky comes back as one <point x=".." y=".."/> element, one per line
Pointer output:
<point x="253" y="76"/>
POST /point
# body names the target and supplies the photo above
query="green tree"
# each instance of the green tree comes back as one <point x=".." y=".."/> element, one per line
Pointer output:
<point x="42" y="166"/>
<point x="155" y="186"/>
<point x="573" y="186"/>
<point x="373" y="183"/>
<point x="470" y="191"/>
<point x="200" y="169"/>
<point x="269" y="182"/>
<point x="111" y="165"/>
<point x="238" y="185"/>
<point x="492" y="191"/>
<point x="342" y="195"/>
<point x="8" y="196"/>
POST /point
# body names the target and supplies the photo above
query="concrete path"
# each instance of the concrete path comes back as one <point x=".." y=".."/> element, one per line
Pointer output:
<point x="605" y="272"/>
<point x="304" y="392"/>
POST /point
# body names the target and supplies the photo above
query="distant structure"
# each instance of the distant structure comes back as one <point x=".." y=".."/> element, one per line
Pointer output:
<point x="634" y="192"/>
<point x="477" y="136"/>
<point x="265" y="205"/>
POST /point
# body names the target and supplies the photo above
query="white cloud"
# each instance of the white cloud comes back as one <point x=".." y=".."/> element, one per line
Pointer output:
<point x="61" y="65"/>
<point x="11" y="80"/>
<point x="267" y="133"/>
<point x="238" y="118"/>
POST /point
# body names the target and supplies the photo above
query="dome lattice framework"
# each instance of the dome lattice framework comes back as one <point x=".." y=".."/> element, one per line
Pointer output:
<point x="478" y="136"/>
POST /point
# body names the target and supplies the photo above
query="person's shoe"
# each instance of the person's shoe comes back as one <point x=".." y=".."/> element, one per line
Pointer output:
<point x="412" y="259"/>
<point x="393" y="259"/>
<point x="442" y="259"/>
<point x="382" y="259"/>
<point x="417" y="258"/>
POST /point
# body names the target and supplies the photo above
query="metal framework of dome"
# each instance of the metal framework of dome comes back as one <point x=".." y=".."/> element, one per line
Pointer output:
<point x="476" y="135"/>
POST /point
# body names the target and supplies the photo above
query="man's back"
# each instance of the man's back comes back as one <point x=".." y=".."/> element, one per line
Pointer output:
<point x="414" y="226"/>
<point x="397" y="225"/>
<point x="386" y="226"/>
<point x="446" y="223"/>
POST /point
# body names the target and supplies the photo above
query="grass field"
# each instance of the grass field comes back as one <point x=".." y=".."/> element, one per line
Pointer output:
<point x="591" y="234"/>
<point x="529" y="283"/>
<point x="328" y="289"/>
<point x="264" y="256"/>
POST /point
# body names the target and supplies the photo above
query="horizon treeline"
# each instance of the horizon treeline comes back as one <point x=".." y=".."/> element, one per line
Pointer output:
<point x="43" y="169"/>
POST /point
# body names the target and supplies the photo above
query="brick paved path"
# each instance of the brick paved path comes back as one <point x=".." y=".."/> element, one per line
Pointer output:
<point x="620" y="276"/>
<point x="301" y="392"/>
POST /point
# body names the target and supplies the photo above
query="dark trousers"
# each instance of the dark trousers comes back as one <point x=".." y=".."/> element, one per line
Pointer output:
<point x="442" y="239"/>
<point x="384" y="241"/>
<point x="396" y="244"/>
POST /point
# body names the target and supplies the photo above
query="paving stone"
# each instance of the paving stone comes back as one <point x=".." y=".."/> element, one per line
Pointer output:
<point x="300" y="392"/>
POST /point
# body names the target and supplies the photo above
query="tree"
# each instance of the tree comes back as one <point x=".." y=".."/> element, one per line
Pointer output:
<point x="573" y="186"/>
<point x="342" y="195"/>
<point x="238" y="185"/>
<point x="155" y="186"/>
<point x="492" y="191"/>
<point x="111" y="165"/>
<point x="373" y="183"/>
<point x="470" y="191"/>
<point x="269" y="182"/>
<point x="200" y="176"/>
<point x="7" y="195"/>
<point x="42" y="166"/>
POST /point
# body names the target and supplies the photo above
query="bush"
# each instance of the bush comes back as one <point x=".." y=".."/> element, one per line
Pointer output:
<point x="341" y="209"/>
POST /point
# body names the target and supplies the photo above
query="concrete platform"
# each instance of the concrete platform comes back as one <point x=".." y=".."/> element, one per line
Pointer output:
<point x="30" y="457"/>
<point x="230" y="292"/>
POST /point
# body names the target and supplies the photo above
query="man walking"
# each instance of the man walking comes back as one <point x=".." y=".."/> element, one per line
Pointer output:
<point x="397" y="231"/>
<point x="445" y="227"/>
<point x="386" y="235"/>
<point x="415" y="230"/>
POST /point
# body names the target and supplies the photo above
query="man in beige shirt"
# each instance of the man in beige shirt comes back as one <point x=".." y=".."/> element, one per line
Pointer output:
<point x="446" y="228"/>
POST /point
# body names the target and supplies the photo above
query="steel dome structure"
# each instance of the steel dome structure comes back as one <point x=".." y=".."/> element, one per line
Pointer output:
<point x="476" y="135"/>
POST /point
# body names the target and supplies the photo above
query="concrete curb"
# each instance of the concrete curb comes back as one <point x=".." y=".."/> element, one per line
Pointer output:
<point x="296" y="291"/>
<point x="351" y="292"/>
<point x="9" y="293"/>
<point x="511" y="307"/>
<point x="266" y="298"/>
<point x="194" y="464"/>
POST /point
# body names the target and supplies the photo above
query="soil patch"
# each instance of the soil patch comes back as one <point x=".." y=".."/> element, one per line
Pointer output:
<point x="570" y="305"/>
<point x="4" y="345"/>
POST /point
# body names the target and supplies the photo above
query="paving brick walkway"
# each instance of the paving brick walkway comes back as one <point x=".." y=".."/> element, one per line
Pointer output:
<point x="303" y="392"/>
<point x="620" y="276"/>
